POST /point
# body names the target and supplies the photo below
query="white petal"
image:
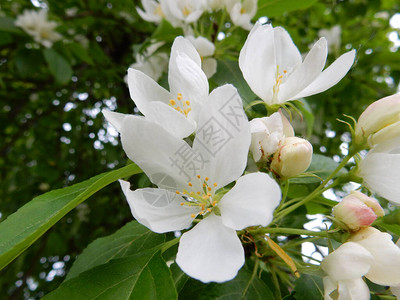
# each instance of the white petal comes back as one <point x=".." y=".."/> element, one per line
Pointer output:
<point x="209" y="66"/>
<point x="250" y="202"/>
<point x="189" y="80"/>
<point x="349" y="261"/>
<point x="288" y="56"/>
<point x="143" y="90"/>
<point x="329" y="286"/>
<point x="170" y="119"/>
<point x="210" y="251"/>
<point x="305" y="74"/>
<point x="396" y="291"/>
<point x="257" y="61"/>
<point x="158" y="209"/>
<point x="223" y="136"/>
<point x="114" y="118"/>
<point x="330" y="76"/>
<point x="157" y="152"/>
<point x="379" y="170"/>
<point x="385" y="269"/>
<point x="183" y="45"/>
<point x="353" y="289"/>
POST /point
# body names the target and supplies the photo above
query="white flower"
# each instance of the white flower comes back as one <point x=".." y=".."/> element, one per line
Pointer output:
<point x="205" y="49"/>
<point x="380" y="170"/>
<point x="380" y="121"/>
<point x="396" y="288"/>
<point x="150" y="63"/>
<point x="152" y="11"/>
<point x="178" y="110"/>
<point x="190" y="181"/>
<point x="272" y="66"/>
<point x="344" y="268"/>
<point x="267" y="134"/>
<point x="333" y="37"/>
<point x="35" y="23"/>
<point x="368" y="253"/>
<point x="215" y="4"/>
<point x="182" y="12"/>
<point x="241" y="13"/>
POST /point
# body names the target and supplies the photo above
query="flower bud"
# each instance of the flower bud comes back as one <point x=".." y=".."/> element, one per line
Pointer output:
<point x="293" y="157"/>
<point x="379" y="122"/>
<point x="267" y="134"/>
<point x="357" y="210"/>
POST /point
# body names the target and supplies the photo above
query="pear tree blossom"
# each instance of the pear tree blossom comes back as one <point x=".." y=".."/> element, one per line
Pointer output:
<point x="191" y="181"/>
<point x="368" y="253"/>
<point x="151" y="63"/>
<point x="177" y="110"/>
<point x="241" y="12"/>
<point x="333" y="37"/>
<point x="275" y="71"/>
<point x="182" y="12"/>
<point x="152" y="11"/>
<point x="36" y="24"/>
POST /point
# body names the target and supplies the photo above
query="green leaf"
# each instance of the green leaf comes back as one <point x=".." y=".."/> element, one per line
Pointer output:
<point x="393" y="228"/>
<point x="274" y="8"/>
<point x="7" y="24"/>
<point x="130" y="239"/>
<point x="80" y="52"/>
<point x="58" y="66"/>
<point x="309" y="287"/>
<point x="28" y="62"/>
<point x="141" y="276"/>
<point x="228" y="72"/>
<point x="32" y="220"/>
<point x="166" y="32"/>
<point x="244" y="286"/>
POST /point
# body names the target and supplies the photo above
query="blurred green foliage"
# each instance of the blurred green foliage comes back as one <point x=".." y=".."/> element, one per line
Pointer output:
<point x="53" y="134"/>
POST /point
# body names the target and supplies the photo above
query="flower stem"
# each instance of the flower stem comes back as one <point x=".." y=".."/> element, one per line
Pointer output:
<point x="320" y="189"/>
<point x="292" y="231"/>
<point x="169" y="244"/>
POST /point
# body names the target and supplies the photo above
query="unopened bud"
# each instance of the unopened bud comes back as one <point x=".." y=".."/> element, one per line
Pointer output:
<point x="379" y="122"/>
<point x="357" y="211"/>
<point x="267" y="134"/>
<point x="293" y="157"/>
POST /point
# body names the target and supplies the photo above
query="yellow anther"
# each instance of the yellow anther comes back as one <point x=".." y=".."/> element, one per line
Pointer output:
<point x="190" y="184"/>
<point x="198" y="193"/>
<point x="284" y="71"/>
<point x="215" y="184"/>
<point x="213" y="203"/>
<point x="188" y="110"/>
<point x="172" y="102"/>
<point x="187" y="102"/>
<point x="177" y="192"/>
<point x="209" y="209"/>
<point x="182" y="203"/>
<point x="179" y="96"/>
<point x="209" y="188"/>
<point x="193" y="216"/>
<point x="201" y="213"/>
<point x="204" y="185"/>
<point x="209" y="194"/>
<point x="206" y="179"/>
<point x="178" y="109"/>
<point x="198" y="176"/>
<point x="203" y="206"/>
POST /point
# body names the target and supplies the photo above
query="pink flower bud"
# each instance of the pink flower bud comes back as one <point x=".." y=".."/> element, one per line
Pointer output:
<point x="293" y="157"/>
<point x="357" y="211"/>
<point x="379" y="122"/>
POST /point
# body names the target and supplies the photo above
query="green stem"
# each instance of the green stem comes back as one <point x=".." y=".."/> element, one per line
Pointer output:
<point x="320" y="189"/>
<point x="292" y="231"/>
<point x="169" y="244"/>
